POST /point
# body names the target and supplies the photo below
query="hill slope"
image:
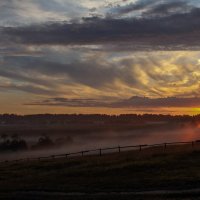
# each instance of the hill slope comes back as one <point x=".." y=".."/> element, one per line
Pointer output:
<point x="120" y="175"/>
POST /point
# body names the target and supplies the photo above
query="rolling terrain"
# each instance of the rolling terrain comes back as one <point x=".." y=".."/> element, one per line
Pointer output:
<point x="153" y="173"/>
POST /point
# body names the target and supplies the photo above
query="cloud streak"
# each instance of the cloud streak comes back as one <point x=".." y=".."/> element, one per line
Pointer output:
<point x="153" y="74"/>
<point x="133" y="102"/>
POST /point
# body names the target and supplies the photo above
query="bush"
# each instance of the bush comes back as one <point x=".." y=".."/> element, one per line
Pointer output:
<point x="13" y="143"/>
<point x="43" y="143"/>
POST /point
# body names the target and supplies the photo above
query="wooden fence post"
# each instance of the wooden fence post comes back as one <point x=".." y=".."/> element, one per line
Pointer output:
<point x="165" y="147"/>
<point x="100" y="153"/>
<point x="119" y="148"/>
<point x="82" y="153"/>
<point x="192" y="143"/>
<point x="140" y="147"/>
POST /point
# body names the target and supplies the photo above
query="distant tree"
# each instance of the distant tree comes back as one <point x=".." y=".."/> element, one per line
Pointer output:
<point x="45" y="140"/>
<point x="15" y="137"/>
<point x="13" y="144"/>
<point x="5" y="142"/>
<point x="64" y="141"/>
<point x="18" y="144"/>
<point x="4" y="137"/>
<point x="43" y="143"/>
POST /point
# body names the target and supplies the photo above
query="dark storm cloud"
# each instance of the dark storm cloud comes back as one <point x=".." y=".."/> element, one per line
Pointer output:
<point x="179" y="31"/>
<point x="133" y="102"/>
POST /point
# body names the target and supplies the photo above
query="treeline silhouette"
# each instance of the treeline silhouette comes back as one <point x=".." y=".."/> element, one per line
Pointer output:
<point x="15" y="143"/>
<point x="81" y="118"/>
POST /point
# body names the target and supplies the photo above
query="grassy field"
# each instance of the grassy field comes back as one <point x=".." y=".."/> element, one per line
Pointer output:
<point x="140" y="175"/>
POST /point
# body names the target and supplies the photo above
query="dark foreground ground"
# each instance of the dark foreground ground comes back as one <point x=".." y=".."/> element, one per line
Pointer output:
<point x="153" y="173"/>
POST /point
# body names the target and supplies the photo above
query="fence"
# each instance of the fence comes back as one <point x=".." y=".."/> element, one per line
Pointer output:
<point x="102" y="151"/>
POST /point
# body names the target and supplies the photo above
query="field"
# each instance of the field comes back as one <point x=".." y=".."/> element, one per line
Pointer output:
<point x="153" y="173"/>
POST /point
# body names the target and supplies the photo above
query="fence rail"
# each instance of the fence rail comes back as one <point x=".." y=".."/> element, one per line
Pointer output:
<point x="104" y="151"/>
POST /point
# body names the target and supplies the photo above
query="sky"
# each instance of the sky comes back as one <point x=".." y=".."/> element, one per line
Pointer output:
<point x="108" y="56"/>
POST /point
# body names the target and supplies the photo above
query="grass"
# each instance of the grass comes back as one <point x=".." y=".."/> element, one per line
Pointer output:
<point x="153" y="169"/>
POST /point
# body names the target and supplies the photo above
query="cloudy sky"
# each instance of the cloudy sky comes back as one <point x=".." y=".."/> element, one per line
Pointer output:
<point x="92" y="56"/>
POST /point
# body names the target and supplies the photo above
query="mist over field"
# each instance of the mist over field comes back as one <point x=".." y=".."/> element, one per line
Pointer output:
<point x="81" y="136"/>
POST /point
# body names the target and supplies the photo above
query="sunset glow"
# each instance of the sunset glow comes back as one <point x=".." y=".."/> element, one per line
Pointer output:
<point x="94" y="56"/>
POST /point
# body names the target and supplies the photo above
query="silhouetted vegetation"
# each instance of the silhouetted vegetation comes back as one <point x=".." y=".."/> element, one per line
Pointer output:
<point x="43" y="143"/>
<point x="50" y="119"/>
<point x="64" y="141"/>
<point x="13" y="143"/>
